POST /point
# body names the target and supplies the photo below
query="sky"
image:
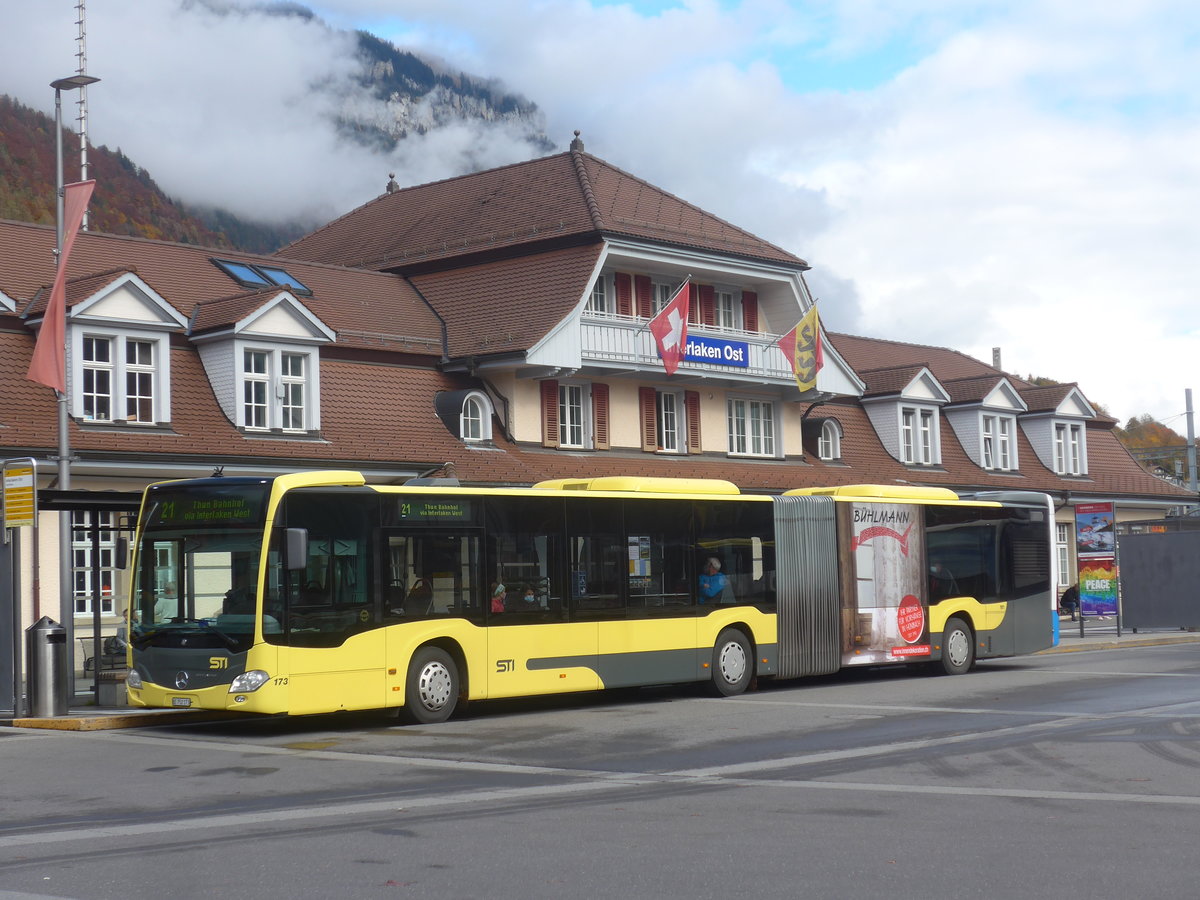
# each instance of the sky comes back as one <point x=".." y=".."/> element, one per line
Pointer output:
<point x="974" y="174"/>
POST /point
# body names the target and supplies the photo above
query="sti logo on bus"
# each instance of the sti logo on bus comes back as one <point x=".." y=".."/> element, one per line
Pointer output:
<point x="218" y="662"/>
<point x="506" y="665"/>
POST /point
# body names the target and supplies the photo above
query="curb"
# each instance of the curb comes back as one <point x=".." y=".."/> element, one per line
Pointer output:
<point x="115" y="720"/>
<point x="1117" y="643"/>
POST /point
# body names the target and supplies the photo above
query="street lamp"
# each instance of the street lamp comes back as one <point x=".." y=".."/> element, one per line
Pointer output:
<point x="66" y="591"/>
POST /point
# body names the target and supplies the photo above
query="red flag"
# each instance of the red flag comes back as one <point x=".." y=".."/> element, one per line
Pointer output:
<point x="669" y="328"/>
<point x="49" y="366"/>
<point x="802" y="348"/>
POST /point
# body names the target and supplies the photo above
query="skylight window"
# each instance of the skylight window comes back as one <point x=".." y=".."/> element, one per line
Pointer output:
<point x="248" y="275"/>
<point x="282" y="278"/>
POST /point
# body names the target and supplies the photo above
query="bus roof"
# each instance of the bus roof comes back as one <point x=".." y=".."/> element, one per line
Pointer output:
<point x="880" y="492"/>
<point x="641" y="485"/>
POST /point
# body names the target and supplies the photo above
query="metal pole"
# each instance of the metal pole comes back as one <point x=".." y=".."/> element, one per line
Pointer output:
<point x="65" y="591"/>
<point x="1191" y="448"/>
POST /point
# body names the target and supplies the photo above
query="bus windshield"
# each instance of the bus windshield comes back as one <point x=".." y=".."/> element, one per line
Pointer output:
<point x="197" y="571"/>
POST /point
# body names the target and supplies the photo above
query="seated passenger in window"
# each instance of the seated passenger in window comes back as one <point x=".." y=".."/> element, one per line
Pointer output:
<point x="714" y="586"/>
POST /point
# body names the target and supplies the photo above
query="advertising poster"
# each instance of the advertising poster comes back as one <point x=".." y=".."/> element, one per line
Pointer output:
<point x="1094" y="533"/>
<point x="1095" y="549"/>
<point x="890" y="622"/>
<point x="1098" y="586"/>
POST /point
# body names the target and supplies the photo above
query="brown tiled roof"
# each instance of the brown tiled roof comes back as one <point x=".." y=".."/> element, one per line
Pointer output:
<point x="370" y="415"/>
<point x="367" y="309"/>
<point x="226" y="311"/>
<point x="864" y="461"/>
<point x="888" y="381"/>
<point x="1046" y="398"/>
<point x="865" y="353"/>
<point x="508" y="305"/>
<point x="968" y="390"/>
<point x="563" y="197"/>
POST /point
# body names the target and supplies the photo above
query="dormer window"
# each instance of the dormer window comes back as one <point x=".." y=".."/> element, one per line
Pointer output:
<point x="998" y="450"/>
<point x="919" y="436"/>
<point x="475" y="421"/>
<point x="120" y="378"/>
<point x="275" y="390"/>
<point x="1070" y="449"/>
<point x="829" y="445"/>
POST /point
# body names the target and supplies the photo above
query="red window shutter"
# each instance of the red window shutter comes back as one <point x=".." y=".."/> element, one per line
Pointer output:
<point x="641" y="289"/>
<point x="648" y="410"/>
<point x="750" y="311"/>
<point x="691" y="406"/>
<point x="708" y="305"/>
<point x="624" y="294"/>
<point x="549" y="413"/>
<point x="600" y="416"/>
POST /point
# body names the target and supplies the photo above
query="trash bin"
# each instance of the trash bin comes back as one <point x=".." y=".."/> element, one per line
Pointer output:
<point x="46" y="653"/>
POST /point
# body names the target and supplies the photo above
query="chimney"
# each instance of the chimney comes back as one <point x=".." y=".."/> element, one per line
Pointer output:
<point x="996" y="358"/>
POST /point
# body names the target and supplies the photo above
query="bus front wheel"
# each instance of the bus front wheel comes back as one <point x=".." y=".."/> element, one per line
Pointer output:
<point x="431" y="692"/>
<point x="958" y="647"/>
<point x="732" y="663"/>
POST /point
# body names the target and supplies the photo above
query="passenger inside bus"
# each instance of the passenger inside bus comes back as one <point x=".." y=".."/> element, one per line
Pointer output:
<point x="714" y="586"/>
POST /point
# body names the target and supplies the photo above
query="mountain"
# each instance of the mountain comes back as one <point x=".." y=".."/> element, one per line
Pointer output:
<point x="395" y="94"/>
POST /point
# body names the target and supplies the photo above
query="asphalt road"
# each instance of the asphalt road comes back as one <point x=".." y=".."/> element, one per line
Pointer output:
<point x="1065" y="775"/>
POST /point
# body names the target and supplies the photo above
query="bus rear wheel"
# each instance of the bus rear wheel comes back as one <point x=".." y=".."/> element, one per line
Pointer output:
<point x="431" y="691"/>
<point x="732" y="663"/>
<point x="958" y="648"/>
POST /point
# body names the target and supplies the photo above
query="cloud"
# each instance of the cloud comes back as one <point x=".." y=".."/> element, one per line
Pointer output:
<point x="1020" y="174"/>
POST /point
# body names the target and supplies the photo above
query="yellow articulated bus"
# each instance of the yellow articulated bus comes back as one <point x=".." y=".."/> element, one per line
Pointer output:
<point x="315" y="592"/>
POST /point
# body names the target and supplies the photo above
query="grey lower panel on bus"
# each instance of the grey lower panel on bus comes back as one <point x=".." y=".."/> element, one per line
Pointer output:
<point x="806" y="586"/>
<point x="652" y="666"/>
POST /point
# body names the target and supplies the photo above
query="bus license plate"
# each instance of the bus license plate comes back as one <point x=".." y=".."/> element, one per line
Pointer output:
<point x="181" y="701"/>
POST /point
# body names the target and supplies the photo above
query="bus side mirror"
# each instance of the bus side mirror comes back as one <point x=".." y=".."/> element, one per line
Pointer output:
<point x="297" y="548"/>
<point x="122" y="553"/>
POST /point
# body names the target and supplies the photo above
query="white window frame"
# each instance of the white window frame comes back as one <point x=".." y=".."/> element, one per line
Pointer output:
<point x="96" y="370"/>
<point x="293" y="392"/>
<point x="1070" y="448"/>
<point x="137" y="372"/>
<point x="574" y="430"/>
<point x="727" y="309"/>
<point x="661" y="293"/>
<point x="829" y="444"/>
<point x="920" y="441"/>
<point x="751" y="427"/>
<point x="81" y="562"/>
<point x="998" y="451"/>
<point x="602" y="299"/>
<point x="278" y="389"/>
<point x="1063" y="539"/>
<point x="475" y="418"/>
<point x="118" y="370"/>
<point x="670" y="423"/>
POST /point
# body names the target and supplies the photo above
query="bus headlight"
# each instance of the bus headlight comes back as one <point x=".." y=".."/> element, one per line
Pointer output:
<point x="248" y="682"/>
<point x="133" y="680"/>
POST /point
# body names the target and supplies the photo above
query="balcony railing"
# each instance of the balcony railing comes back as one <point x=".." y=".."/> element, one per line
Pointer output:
<point x="620" y="341"/>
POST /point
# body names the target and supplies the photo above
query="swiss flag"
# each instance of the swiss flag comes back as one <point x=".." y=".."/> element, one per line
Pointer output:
<point x="669" y="328"/>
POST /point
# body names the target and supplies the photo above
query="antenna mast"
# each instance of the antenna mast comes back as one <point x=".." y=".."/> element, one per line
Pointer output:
<point x="81" y="102"/>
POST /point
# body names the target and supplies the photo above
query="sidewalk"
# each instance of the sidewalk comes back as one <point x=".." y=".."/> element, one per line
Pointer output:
<point x="1101" y="634"/>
